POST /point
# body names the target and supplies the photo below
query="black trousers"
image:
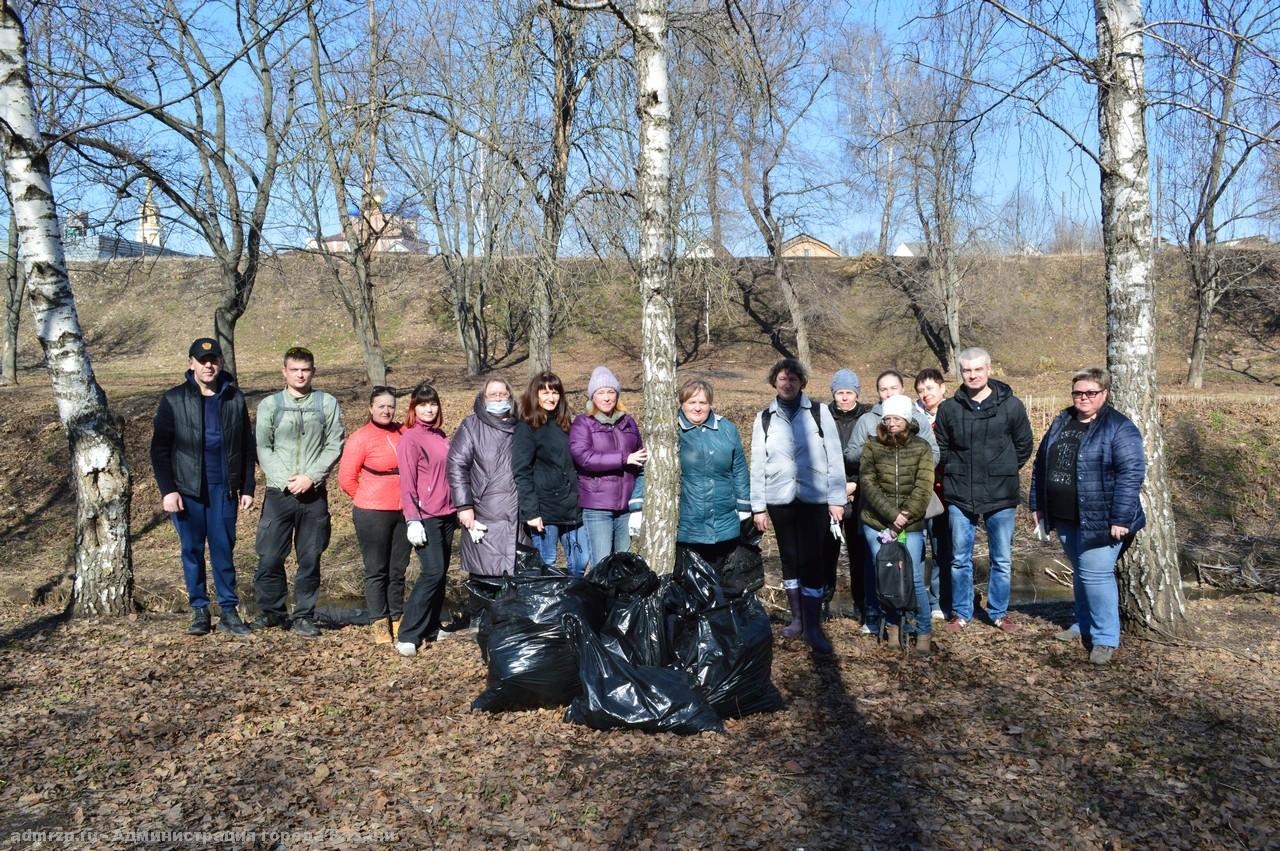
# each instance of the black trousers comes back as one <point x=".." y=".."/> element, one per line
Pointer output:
<point x="421" y="621"/>
<point x="855" y="546"/>
<point x="800" y="528"/>
<point x="384" y="548"/>
<point x="299" y="522"/>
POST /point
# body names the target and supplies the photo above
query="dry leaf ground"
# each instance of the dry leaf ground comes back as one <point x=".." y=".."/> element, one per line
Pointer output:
<point x="129" y="734"/>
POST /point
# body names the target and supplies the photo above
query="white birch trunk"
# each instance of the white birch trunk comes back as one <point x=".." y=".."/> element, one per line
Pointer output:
<point x="104" y="568"/>
<point x="1150" y="583"/>
<point x="662" y="473"/>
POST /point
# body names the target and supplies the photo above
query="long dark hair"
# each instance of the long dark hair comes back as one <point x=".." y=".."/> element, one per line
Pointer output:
<point x="532" y="412"/>
<point x="424" y="392"/>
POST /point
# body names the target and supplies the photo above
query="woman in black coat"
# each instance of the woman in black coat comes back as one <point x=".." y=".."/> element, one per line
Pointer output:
<point x="545" y="476"/>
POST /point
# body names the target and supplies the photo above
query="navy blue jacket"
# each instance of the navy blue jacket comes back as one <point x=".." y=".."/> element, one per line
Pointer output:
<point x="1110" y="467"/>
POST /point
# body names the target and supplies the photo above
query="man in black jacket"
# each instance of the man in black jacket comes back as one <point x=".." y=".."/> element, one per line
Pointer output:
<point x="202" y="453"/>
<point x="984" y="438"/>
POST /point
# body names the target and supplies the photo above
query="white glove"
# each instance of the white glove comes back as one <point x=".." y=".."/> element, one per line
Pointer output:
<point x="477" y="531"/>
<point x="633" y="523"/>
<point x="744" y="516"/>
<point x="837" y="530"/>
<point x="416" y="534"/>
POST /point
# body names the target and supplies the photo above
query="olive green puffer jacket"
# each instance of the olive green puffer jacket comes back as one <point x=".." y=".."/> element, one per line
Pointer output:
<point x="893" y="479"/>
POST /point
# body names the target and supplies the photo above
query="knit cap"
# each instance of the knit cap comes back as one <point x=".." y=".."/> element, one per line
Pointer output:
<point x="846" y="379"/>
<point x="602" y="377"/>
<point x="897" y="405"/>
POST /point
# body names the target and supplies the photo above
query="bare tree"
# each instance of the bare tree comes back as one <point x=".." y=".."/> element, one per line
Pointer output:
<point x="99" y="473"/>
<point x="1218" y="107"/>
<point x="12" y="305"/>
<point x="187" y="98"/>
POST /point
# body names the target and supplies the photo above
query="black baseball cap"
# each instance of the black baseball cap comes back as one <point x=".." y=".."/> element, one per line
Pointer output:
<point x="205" y="347"/>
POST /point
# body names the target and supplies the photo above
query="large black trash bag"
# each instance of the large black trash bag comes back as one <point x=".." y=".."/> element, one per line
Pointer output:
<point x="531" y="657"/>
<point x="724" y="642"/>
<point x="743" y="570"/>
<point x="624" y="575"/>
<point x="618" y="695"/>
<point x="483" y="590"/>
<point x="635" y="628"/>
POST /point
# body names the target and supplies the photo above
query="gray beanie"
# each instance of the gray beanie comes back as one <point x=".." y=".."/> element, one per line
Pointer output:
<point x="846" y="379"/>
<point x="602" y="377"/>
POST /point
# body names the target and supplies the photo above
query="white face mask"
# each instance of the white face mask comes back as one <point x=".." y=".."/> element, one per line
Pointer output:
<point x="498" y="408"/>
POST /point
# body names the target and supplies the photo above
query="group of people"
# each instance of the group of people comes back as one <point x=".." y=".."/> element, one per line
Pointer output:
<point x="527" y="473"/>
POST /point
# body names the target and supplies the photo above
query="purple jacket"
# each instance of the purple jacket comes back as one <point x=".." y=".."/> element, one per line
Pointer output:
<point x="600" y="453"/>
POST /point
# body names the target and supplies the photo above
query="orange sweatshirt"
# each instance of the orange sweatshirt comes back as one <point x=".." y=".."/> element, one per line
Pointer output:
<point x="368" y="470"/>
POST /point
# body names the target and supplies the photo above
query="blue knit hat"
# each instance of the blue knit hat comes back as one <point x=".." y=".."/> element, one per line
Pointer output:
<point x="846" y="379"/>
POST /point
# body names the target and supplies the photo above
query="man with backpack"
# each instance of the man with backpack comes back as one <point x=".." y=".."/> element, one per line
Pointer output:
<point x="299" y="435"/>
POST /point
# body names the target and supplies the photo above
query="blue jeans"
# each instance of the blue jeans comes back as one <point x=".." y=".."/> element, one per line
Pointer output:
<point x="1094" y="584"/>
<point x="212" y="520"/>
<point x="572" y="539"/>
<point x="964" y="526"/>
<point x="915" y="548"/>
<point x="606" y="532"/>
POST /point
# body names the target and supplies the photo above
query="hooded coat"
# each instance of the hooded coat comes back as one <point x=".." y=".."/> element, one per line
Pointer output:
<point x="481" y="478"/>
<point x="983" y="446"/>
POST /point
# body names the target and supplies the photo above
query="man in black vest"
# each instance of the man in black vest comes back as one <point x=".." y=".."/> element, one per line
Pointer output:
<point x="202" y="453"/>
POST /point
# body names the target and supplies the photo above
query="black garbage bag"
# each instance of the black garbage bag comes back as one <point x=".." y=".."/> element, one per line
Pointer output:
<point x="618" y="695"/>
<point x="483" y="590"/>
<point x="624" y="575"/>
<point x="728" y="650"/>
<point x="531" y="658"/>
<point x="743" y="570"/>
<point x="635" y="628"/>
<point x="695" y="584"/>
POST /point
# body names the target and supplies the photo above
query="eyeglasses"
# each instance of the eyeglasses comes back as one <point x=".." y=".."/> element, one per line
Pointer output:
<point x="381" y="389"/>
<point x="299" y="353"/>
<point x="1086" y="394"/>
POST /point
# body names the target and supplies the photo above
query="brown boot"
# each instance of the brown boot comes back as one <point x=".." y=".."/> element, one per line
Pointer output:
<point x="381" y="629"/>
<point x="892" y="636"/>
<point x="924" y="643"/>
<point x="395" y="629"/>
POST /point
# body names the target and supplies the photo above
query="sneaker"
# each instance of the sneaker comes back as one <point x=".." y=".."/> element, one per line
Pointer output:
<point x="1100" y="655"/>
<point x="937" y="615"/>
<point x="1006" y="624"/>
<point x="865" y="629"/>
<point x="200" y="624"/>
<point x="229" y="621"/>
<point x="406" y="648"/>
<point x="269" y="621"/>
<point x="305" y="627"/>
<point x="1071" y="633"/>
<point x="956" y="624"/>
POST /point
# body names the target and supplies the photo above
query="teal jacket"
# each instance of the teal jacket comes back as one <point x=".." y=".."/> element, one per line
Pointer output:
<point x="298" y="436"/>
<point x="714" y="482"/>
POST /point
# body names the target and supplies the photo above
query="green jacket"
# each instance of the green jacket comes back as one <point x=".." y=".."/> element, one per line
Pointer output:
<point x="298" y="436"/>
<point x="893" y="479"/>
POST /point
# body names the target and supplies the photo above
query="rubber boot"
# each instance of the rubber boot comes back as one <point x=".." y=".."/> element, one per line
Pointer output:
<point x="811" y="617"/>
<point x="796" y="627"/>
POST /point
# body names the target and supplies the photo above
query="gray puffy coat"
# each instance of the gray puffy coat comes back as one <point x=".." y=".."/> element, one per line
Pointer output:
<point x="481" y="478"/>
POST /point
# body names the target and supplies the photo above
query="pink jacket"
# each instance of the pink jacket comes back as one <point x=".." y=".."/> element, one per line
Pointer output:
<point x="424" y="490"/>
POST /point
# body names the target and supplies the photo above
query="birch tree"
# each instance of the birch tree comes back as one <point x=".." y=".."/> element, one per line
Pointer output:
<point x="1151" y="598"/>
<point x="647" y="21"/>
<point x="99" y="473"/>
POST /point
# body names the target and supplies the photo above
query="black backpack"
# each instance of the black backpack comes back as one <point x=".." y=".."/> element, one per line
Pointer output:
<point x="895" y="577"/>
